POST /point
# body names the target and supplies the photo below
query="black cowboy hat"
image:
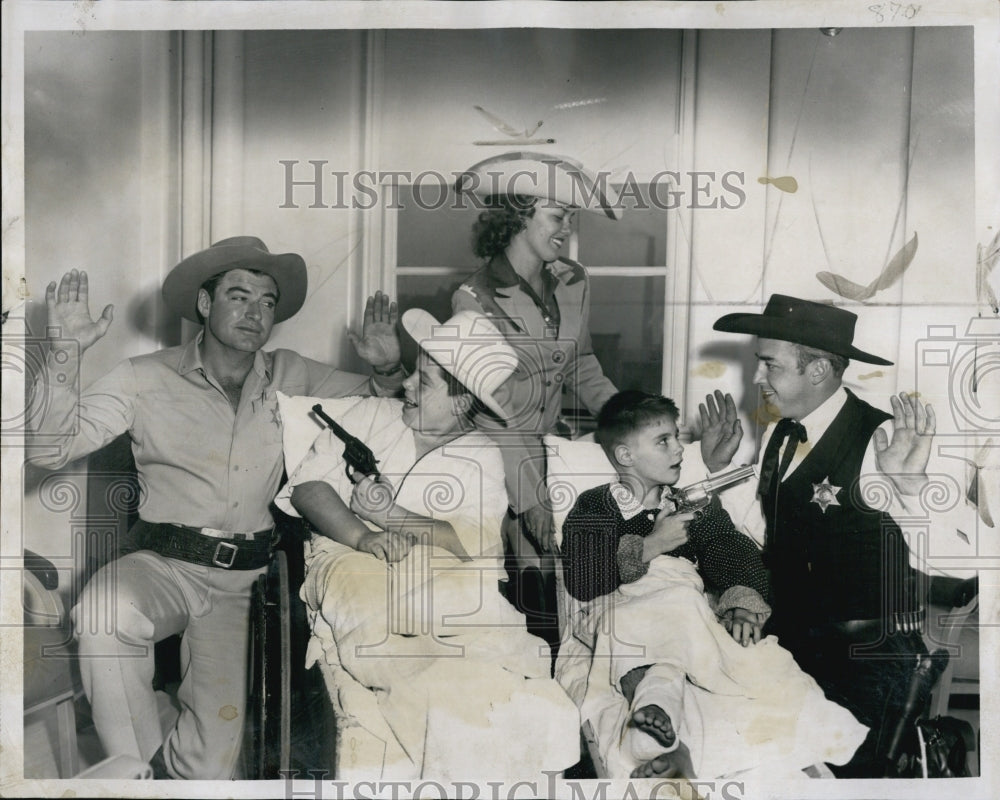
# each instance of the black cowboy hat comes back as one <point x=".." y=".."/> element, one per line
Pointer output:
<point x="804" y="322"/>
<point x="180" y="289"/>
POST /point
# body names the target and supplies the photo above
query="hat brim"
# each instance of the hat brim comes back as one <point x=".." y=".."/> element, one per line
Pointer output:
<point x="543" y="175"/>
<point x="794" y="332"/>
<point x="420" y="324"/>
<point x="288" y="270"/>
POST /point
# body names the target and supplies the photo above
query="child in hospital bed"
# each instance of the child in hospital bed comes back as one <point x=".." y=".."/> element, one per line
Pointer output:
<point x="402" y="572"/>
<point x="697" y="690"/>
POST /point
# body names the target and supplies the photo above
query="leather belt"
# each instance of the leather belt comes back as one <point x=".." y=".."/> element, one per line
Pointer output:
<point x="897" y="622"/>
<point x="239" y="551"/>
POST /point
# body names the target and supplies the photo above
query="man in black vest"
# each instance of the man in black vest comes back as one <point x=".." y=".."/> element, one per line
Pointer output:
<point x="846" y="599"/>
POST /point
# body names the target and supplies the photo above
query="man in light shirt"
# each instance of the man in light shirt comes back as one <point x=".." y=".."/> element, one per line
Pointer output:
<point x="206" y="436"/>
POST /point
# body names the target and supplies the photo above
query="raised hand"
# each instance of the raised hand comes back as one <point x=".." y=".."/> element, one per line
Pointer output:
<point x="904" y="459"/>
<point x="379" y="340"/>
<point x="721" y="430"/>
<point x="69" y="311"/>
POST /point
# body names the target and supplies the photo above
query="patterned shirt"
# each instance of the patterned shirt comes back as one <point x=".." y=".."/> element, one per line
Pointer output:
<point x="602" y="545"/>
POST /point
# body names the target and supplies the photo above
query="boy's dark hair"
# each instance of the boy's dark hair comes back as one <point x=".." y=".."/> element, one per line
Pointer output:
<point x="627" y="412"/>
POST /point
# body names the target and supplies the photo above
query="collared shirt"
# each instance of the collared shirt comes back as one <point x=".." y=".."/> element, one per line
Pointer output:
<point x="200" y="462"/>
<point x="503" y="275"/>
<point x="630" y="506"/>
<point x="945" y="547"/>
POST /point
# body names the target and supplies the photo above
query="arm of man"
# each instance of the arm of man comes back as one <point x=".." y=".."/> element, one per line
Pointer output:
<point x="900" y="456"/>
<point x="378" y="345"/>
<point x="73" y="423"/>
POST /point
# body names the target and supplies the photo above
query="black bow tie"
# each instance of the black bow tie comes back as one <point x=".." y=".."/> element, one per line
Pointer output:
<point x="770" y="471"/>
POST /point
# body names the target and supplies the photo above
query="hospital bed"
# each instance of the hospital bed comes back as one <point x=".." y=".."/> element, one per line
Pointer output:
<point x="365" y="746"/>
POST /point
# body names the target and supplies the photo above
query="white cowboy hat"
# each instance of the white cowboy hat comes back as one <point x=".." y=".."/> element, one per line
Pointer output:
<point x="470" y="348"/>
<point x="180" y="289"/>
<point x="544" y="175"/>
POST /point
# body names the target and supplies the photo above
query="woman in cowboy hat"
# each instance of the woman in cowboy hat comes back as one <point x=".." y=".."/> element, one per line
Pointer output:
<point x="402" y="570"/>
<point x="541" y="302"/>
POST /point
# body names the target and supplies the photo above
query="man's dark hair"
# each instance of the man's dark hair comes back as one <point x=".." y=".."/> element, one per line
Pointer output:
<point x="804" y="356"/>
<point x="630" y="411"/>
<point x="212" y="284"/>
<point x="505" y="217"/>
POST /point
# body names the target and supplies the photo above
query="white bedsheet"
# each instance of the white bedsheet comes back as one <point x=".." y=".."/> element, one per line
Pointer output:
<point x="426" y="655"/>
<point x="741" y="708"/>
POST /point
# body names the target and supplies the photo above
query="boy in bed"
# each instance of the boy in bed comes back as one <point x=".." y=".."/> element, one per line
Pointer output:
<point x="401" y="572"/>
<point x="643" y="570"/>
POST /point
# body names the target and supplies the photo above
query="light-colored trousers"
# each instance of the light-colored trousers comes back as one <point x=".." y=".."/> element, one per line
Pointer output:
<point x="129" y="605"/>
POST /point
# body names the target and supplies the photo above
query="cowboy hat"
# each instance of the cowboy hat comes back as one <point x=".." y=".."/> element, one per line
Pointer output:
<point x="550" y="177"/>
<point x="470" y="348"/>
<point x="180" y="289"/>
<point x="804" y="322"/>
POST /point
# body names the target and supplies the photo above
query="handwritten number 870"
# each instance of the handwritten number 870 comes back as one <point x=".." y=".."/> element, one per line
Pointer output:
<point x="893" y="10"/>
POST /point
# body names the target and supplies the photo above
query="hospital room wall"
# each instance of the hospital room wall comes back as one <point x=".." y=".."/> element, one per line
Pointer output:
<point x="876" y="128"/>
<point x="100" y="190"/>
<point x="119" y="182"/>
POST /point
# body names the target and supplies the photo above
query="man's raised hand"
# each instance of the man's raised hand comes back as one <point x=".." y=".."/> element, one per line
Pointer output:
<point x="721" y="430"/>
<point x="904" y="459"/>
<point x="69" y="311"/>
<point x="379" y="340"/>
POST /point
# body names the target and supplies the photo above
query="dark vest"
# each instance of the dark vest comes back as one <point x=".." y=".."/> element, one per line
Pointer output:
<point x="848" y="562"/>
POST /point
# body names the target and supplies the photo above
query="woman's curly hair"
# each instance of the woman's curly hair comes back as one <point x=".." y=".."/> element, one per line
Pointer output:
<point x="504" y="218"/>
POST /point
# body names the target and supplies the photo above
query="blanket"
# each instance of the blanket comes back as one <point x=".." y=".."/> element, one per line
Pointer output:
<point x="734" y="708"/>
<point x="454" y="684"/>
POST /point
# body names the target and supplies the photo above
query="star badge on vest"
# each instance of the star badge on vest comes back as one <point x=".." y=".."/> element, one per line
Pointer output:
<point x="825" y="494"/>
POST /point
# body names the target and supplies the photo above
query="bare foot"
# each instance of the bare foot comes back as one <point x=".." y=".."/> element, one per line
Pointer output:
<point x="655" y="721"/>
<point x="662" y="766"/>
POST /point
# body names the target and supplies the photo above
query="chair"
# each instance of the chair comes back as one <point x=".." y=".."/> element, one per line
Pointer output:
<point x="51" y="681"/>
<point x="954" y="624"/>
<point x="958" y="630"/>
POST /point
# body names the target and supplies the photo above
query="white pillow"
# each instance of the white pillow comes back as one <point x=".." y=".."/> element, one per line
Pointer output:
<point x="300" y="426"/>
<point x="573" y="467"/>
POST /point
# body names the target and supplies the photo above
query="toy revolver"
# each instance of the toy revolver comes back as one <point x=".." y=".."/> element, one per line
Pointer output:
<point x="359" y="457"/>
<point x="698" y="495"/>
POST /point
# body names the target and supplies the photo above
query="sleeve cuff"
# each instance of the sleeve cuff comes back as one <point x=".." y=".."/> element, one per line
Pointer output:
<point x="631" y="567"/>
<point x="742" y="597"/>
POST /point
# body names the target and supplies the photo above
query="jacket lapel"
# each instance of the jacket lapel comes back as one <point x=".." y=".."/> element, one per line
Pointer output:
<point x="521" y="311"/>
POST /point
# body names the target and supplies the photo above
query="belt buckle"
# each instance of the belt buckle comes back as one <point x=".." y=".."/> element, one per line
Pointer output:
<point x="232" y="549"/>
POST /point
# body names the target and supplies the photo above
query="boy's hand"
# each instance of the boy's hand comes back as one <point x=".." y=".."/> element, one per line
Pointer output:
<point x="387" y="545"/>
<point x="669" y="533"/>
<point x="372" y="499"/>
<point x="743" y="625"/>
